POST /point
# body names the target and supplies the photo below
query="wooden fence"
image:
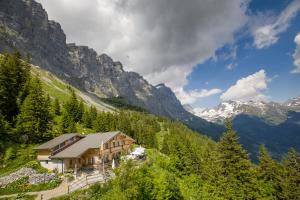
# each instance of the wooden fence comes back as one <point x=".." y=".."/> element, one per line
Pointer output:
<point x="84" y="181"/>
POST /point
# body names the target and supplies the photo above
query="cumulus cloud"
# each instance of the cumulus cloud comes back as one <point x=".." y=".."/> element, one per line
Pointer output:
<point x="296" y="54"/>
<point x="248" y="88"/>
<point x="162" y="40"/>
<point x="193" y="95"/>
<point x="268" y="34"/>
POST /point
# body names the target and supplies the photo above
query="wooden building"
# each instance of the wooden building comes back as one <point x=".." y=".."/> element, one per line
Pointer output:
<point x="74" y="151"/>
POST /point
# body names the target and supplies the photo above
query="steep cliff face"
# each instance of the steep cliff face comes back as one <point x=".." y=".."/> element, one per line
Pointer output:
<point x="24" y="26"/>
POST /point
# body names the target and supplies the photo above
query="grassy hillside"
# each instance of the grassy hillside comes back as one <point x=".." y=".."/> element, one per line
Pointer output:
<point x="57" y="88"/>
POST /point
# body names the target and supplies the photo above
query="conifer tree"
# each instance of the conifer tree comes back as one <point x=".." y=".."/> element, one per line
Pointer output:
<point x="80" y="111"/>
<point x="86" y="119"/>
<point x="67" y="124"/>
<point x="237" y="178"/>
<point x="4" y="128"/>
<point x="13" y="75"/>
<point x="56" y="107"/>
<point x="291" y="183"/>
<point x="34" y="119"/>
<point x="93" y="113"/>
<point x="269" y="173"/>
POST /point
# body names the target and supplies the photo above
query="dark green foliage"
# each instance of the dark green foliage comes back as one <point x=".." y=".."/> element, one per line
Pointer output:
<point x="269" y="175"/>
<point x="89" y="117"/>
<point x="33" y="122"/>
<point x="71" y="114"/>
<point x="16" y="156"/>
<point x="56" y="107"/>
<point x="291" y="182"/>
<point x="236" y="177"/>
<point x="121" y="103"/>
<point x="73" y="107"/>
<point x="5" y="128"/>
<point x="68" y="124"/>
<point x="13" y="75"/>
<point x="142" y="128"/>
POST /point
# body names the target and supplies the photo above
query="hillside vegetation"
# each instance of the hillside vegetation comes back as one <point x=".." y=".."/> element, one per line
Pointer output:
<point x="181" y="164"/>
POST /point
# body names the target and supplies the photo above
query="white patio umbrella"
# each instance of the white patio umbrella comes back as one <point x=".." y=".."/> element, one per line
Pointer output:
<point x="113" y="165"/>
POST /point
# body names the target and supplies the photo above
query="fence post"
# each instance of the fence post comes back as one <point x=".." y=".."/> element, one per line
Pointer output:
<point x="86" y="182"/>
<point x="68" y="189"/>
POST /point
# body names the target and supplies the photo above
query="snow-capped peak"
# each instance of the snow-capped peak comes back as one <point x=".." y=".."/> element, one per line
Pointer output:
<point x="230" y="109"/>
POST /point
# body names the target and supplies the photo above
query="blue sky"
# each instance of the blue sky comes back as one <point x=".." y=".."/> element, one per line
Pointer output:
<point x="276" y="60"/>
<point x="206" y="51"/>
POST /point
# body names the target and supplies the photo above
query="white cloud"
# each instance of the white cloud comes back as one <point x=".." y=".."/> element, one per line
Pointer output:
<point x="162" y="40"/>
<point x="194" y="95"/>
<point x="248" y="88"/>
<point x="296" y="54"/>
<point x="230" y="66"/>
<point x="268" y="34"/>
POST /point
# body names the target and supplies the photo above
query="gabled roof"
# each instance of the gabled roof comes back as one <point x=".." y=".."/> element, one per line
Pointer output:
<point x="56" y="141"/>
<point x="91" y="141"/>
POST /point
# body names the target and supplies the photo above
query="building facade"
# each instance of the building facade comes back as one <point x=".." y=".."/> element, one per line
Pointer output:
<point x="72" y="152"/>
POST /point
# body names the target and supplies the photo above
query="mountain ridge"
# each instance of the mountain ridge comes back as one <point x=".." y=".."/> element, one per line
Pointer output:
<point x="273" y="112"/>
<point x="24" y="25"/>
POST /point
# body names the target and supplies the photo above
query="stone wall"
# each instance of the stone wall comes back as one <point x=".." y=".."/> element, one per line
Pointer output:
<point x="34" y="177"/>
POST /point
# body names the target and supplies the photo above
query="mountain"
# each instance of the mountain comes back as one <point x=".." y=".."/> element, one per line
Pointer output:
<point x="270" y="112"/>
<point x="254" y="131"/>
<point x="293" y="104"/>
<point x="189" y="108"/>
<point x="24" y="26"/>
<point x="276" y="125"/>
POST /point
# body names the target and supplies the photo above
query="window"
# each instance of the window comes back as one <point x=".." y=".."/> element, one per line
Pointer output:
<point x="106" y="146"/>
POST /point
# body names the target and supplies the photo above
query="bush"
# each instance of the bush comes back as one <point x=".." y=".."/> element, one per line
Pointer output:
<point x="10" y="153"/>
<point x="36" y="166"/>
<point x="22" y="185"/>
<point x="69" y="177"/>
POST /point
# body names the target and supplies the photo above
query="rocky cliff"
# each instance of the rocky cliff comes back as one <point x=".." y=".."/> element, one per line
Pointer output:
<point x="24" y="26"/>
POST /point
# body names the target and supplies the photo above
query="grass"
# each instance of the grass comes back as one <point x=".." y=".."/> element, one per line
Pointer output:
<point x="20" y="197"/>
<point x="52" y="85"/>
<point x="16" y="158"/>
<point x="22" y="185"/>
<point x="59" y="89"/>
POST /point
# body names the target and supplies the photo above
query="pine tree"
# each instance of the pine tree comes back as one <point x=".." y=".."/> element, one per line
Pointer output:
<point x="67" y="124"/>
<point x="5" y="128"/>
<point x="13" y="75"/>
<point x="86" y="119"/>
<point x="73" y="108"/>
<point x="237" y="178"/>
<point x="93" y="113"/>
<point x="34" y="120"/>
<point x="80" y="111"/>
<point x="269" y="174"/>
<point x="291" y="184"/>
<point x="56" y="107"/>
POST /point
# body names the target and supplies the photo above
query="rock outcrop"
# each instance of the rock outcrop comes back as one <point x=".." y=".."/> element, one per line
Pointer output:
<point x="33" y="177"/>
<point x="24" y="26"/>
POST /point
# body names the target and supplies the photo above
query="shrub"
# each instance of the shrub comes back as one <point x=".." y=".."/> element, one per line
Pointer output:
<point x="22" y="185"/>
<point x="36" y="166"/>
